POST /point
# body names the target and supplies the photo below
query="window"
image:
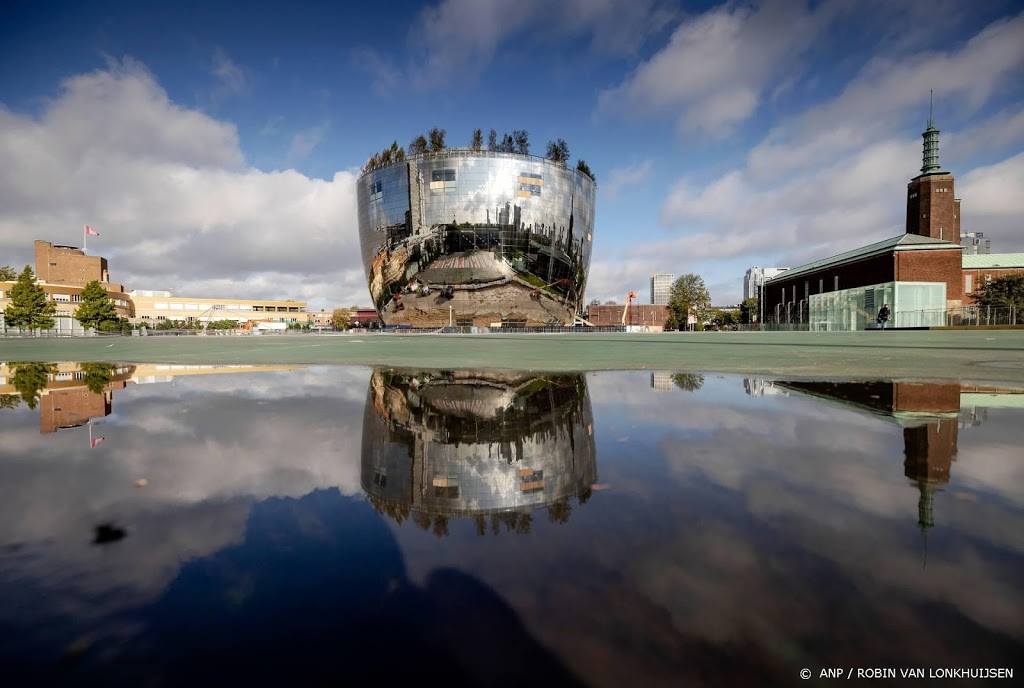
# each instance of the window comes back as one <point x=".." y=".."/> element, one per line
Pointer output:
<point x="821" y="285"/>
<point x="836" y="286"/>
<point x="530" y="184"/>
<point x="807" y="289"/>
<point x="967" y="283"/>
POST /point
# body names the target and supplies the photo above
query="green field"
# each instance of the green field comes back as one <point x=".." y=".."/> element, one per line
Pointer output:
<point x="966" y="355"/>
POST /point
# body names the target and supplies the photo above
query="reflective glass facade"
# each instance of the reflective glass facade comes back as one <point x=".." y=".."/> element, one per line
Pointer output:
<point x="476" y="238"/>
<point x="912" y="304"/>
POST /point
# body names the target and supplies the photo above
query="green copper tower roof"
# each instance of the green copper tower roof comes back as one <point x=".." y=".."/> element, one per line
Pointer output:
<point x="931" y="145"/>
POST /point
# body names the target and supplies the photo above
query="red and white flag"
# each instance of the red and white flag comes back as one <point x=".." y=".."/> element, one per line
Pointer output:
<point x="94" y="441"/>
<point x="91" y="231"/>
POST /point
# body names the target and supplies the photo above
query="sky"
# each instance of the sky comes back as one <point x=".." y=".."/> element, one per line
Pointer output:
<point x="215" y="147"/>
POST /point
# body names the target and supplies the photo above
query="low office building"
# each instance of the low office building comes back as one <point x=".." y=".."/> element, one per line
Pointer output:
<point x="63" y="272"/>
<point x="153" y="307"/>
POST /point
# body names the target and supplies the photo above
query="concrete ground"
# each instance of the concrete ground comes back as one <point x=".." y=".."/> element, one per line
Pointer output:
<point x="992" y="356"/>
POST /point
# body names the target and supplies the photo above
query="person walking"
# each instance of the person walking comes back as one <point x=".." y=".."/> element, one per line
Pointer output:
<point x="883" y="316"/>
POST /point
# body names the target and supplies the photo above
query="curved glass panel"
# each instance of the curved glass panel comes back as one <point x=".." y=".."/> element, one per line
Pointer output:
<point x="446" y="444"/>
<point x="476" y="238"/>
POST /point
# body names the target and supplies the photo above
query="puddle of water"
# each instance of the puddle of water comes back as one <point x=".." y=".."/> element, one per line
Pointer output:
<point x="160" y="522"/>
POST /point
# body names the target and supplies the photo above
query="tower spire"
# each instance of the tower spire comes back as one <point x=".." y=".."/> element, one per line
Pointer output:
<point x="930" y="161"/>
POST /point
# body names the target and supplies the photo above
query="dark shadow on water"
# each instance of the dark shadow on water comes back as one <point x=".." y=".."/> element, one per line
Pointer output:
<point x="317" y="594"/>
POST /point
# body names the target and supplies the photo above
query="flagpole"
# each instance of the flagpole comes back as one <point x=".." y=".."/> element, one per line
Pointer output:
<point x="85" y="240"/>
<point x="89" y="423"/>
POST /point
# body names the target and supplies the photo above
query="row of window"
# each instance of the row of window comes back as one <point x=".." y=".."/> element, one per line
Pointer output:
<point x="165" y="306"/>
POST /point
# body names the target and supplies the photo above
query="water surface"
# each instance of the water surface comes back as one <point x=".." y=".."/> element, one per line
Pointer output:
<point x="168" y="524"/>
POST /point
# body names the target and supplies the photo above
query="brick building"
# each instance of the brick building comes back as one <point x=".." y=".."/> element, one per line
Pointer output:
<point x="648" y="315"/>
<point x="920" y="274"/>
<point x="68" y="265"/>
<point x="981" y="269"/>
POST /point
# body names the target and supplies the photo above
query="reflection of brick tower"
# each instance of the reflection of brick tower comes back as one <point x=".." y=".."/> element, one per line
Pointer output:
<point x="929" y="451"/>
<point x="932" y="210"/>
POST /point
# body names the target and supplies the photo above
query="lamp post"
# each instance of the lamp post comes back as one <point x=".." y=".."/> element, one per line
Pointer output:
<point x="449" y="315"/>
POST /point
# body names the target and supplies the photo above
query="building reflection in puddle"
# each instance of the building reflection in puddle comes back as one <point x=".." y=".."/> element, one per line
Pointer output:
<point x="480" y="444"/>
<point x="930" y="414"/>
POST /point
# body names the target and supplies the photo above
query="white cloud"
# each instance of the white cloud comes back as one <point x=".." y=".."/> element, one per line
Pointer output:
<point x="886" y="90"/>
<point x="993" y="202"/>
<point x="833" y="177"/>
<point x="715" y="68"/>
<point x="624" y="177"/>
<point x="231" y="78"/>
<point x="455" y="40"/>
<point x="306" y="140"/>
<point x="169" y="191"/>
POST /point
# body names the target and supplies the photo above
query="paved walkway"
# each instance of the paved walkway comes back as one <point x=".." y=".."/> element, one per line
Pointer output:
<point x="973" y="355"/>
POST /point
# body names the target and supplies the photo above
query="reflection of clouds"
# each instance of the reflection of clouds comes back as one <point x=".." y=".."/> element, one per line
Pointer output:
<point x="830" y="482"/>
<point x="207" y="455"/>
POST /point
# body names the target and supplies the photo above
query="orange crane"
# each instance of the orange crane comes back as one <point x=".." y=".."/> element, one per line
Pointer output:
<point x="629" y="298"/>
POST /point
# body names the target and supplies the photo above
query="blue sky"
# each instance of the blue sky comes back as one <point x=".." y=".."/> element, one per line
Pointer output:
<point x="215" y="148"/>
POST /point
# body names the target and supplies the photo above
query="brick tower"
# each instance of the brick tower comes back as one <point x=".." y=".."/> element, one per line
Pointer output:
<point x="932" y="210"/>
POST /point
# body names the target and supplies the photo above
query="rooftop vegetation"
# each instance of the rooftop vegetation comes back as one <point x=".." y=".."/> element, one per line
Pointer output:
<point x="435" y="141"/>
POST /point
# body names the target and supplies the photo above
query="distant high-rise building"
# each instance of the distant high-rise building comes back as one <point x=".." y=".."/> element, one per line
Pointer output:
<point x="661" y="288"/>
<point x="975" y="244"/>
<point x="755" y="277"/>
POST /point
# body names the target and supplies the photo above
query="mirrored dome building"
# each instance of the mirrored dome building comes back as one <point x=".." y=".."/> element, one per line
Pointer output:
<point x="471" y="237"/>
<point x="474" y="444"/>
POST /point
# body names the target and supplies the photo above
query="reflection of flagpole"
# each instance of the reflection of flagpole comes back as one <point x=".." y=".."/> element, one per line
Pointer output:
<point x="93" y="441"/>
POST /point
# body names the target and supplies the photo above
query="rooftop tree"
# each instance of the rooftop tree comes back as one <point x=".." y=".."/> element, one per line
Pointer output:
<point x="558" y="151"/>
<point x="492" y="140"/>
<point x="436" y="138"/>
<point x="583" y="167"/>
<point x="418" y="146"/>
<point x="521" y="138"/>
<point x="478" y="140"/>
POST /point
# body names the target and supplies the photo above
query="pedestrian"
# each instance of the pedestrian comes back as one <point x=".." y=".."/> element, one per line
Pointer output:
<point x="883" y="316"/>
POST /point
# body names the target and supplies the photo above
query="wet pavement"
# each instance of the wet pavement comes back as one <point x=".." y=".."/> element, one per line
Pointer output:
<point x="194" y="524"/>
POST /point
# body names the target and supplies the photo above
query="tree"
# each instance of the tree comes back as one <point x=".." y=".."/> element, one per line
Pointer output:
<point x="29" y="307"/>
<point x="583" y="167"/>
<point x="748" y="311"/>
<point x="97" y="376"/>
<point x="558" y="151"/>
<point x="492" y="141"/>
<point x="96" y="307"/>
<point x="436" y="138"/>
<point x="1002" y="292"/>
<point x="688" y="382"/>
<point x="521" y="137"/>
<point x="508" y="144"/>
<point x="341" y="318"/>
<point x="478" y="140"/>
<point x="7" y="273"/>
<point x="418" y="146"/>
<point x="30" y="379"/>
<point x="689" y="295"/>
